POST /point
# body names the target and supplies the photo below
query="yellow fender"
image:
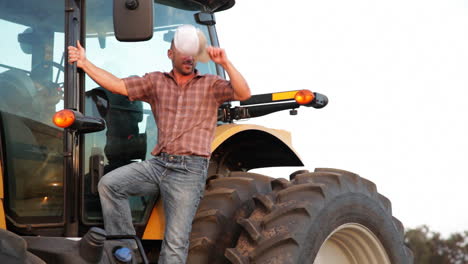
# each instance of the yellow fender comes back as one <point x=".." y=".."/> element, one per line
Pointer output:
<point x="223" y="132"/>
<point x="282" y="139"/>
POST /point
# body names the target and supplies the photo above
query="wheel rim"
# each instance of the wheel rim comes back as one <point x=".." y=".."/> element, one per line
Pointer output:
<point x="352" y="243"/>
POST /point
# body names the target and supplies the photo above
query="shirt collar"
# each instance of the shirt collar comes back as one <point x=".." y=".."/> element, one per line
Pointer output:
<point x="171" y="74"/>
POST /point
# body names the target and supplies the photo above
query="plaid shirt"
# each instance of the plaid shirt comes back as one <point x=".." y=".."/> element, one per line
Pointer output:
<point x="186" y="116"/>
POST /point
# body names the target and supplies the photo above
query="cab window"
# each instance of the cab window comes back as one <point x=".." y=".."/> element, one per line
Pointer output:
<point x="31" y="90"/>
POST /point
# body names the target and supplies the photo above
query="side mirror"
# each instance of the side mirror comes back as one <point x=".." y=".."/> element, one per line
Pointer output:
<point x="133" y="20"/>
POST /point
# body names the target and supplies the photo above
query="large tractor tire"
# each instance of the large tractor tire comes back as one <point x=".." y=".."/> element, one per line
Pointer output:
<point x="328" y="216"/>
<point x="226" y="200"/>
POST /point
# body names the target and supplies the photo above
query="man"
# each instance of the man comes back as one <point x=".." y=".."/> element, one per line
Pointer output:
<point x="184" y="104"/>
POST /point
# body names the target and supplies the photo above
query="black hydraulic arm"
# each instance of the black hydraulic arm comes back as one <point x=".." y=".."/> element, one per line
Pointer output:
<point x="260" y="105"/>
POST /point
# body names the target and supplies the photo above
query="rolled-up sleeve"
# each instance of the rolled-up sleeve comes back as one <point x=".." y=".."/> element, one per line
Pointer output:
<point x="139" y="88"/>
<point x="223" y="90"/>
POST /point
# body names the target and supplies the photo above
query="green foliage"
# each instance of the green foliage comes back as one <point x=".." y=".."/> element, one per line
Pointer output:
<point x="430" y="248"/>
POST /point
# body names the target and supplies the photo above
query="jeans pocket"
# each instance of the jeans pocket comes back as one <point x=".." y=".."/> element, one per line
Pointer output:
<point x="196" y="167"/>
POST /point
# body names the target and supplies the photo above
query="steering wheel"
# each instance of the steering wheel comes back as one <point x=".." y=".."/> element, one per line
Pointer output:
<point x="47" y="64"/>
<point x="52" y="84"/>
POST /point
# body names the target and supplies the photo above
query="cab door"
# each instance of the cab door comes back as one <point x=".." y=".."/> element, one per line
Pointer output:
<point x="31" y="91"/>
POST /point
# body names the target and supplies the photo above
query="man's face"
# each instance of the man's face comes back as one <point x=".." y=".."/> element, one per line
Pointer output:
<point x="181" y="63"/>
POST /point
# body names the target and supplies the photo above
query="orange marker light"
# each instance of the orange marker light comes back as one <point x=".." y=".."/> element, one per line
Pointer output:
<point x="304" y="97"/>
<point x="64" y="118"/>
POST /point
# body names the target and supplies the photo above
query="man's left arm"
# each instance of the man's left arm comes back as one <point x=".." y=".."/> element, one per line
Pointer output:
<point x="239" y="84"/>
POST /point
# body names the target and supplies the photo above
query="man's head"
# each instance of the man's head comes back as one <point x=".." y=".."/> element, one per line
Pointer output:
<point x="183" y="64"/>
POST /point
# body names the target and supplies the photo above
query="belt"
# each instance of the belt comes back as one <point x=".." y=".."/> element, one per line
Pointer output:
<point x="177" y="158"/>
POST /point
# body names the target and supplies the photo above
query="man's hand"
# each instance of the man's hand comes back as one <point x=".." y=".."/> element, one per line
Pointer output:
<point x="240" y="86"/>
<point x="102" y="77"/>
<point x="218" y="56"/>
<point x="77" y="54"/>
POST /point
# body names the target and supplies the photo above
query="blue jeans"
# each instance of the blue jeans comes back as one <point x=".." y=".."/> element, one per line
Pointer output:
<point x="179" y="181"/>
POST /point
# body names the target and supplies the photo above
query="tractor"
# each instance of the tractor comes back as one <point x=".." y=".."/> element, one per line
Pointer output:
<point x="50" y="210"/>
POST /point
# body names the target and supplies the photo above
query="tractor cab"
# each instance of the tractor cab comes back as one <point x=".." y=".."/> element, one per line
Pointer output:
<point x="36" y="81"/>
<point x="49" y="174"/>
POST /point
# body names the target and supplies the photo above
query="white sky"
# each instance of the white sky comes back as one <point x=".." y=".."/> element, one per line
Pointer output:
<point x="396" y="76"/>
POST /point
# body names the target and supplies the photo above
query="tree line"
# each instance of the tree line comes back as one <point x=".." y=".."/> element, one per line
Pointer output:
<point x="430" y="247"/>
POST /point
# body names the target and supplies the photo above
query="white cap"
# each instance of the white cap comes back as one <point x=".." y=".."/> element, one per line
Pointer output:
<point x="192" y="42"/>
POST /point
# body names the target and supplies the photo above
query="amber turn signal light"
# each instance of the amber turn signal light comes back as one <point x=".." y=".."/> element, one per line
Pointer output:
<point x="64" y="118"/>
<point x="304" y="97"/>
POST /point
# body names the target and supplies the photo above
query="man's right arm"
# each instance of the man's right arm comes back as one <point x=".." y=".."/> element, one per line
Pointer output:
<point x="103" y="78"/>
